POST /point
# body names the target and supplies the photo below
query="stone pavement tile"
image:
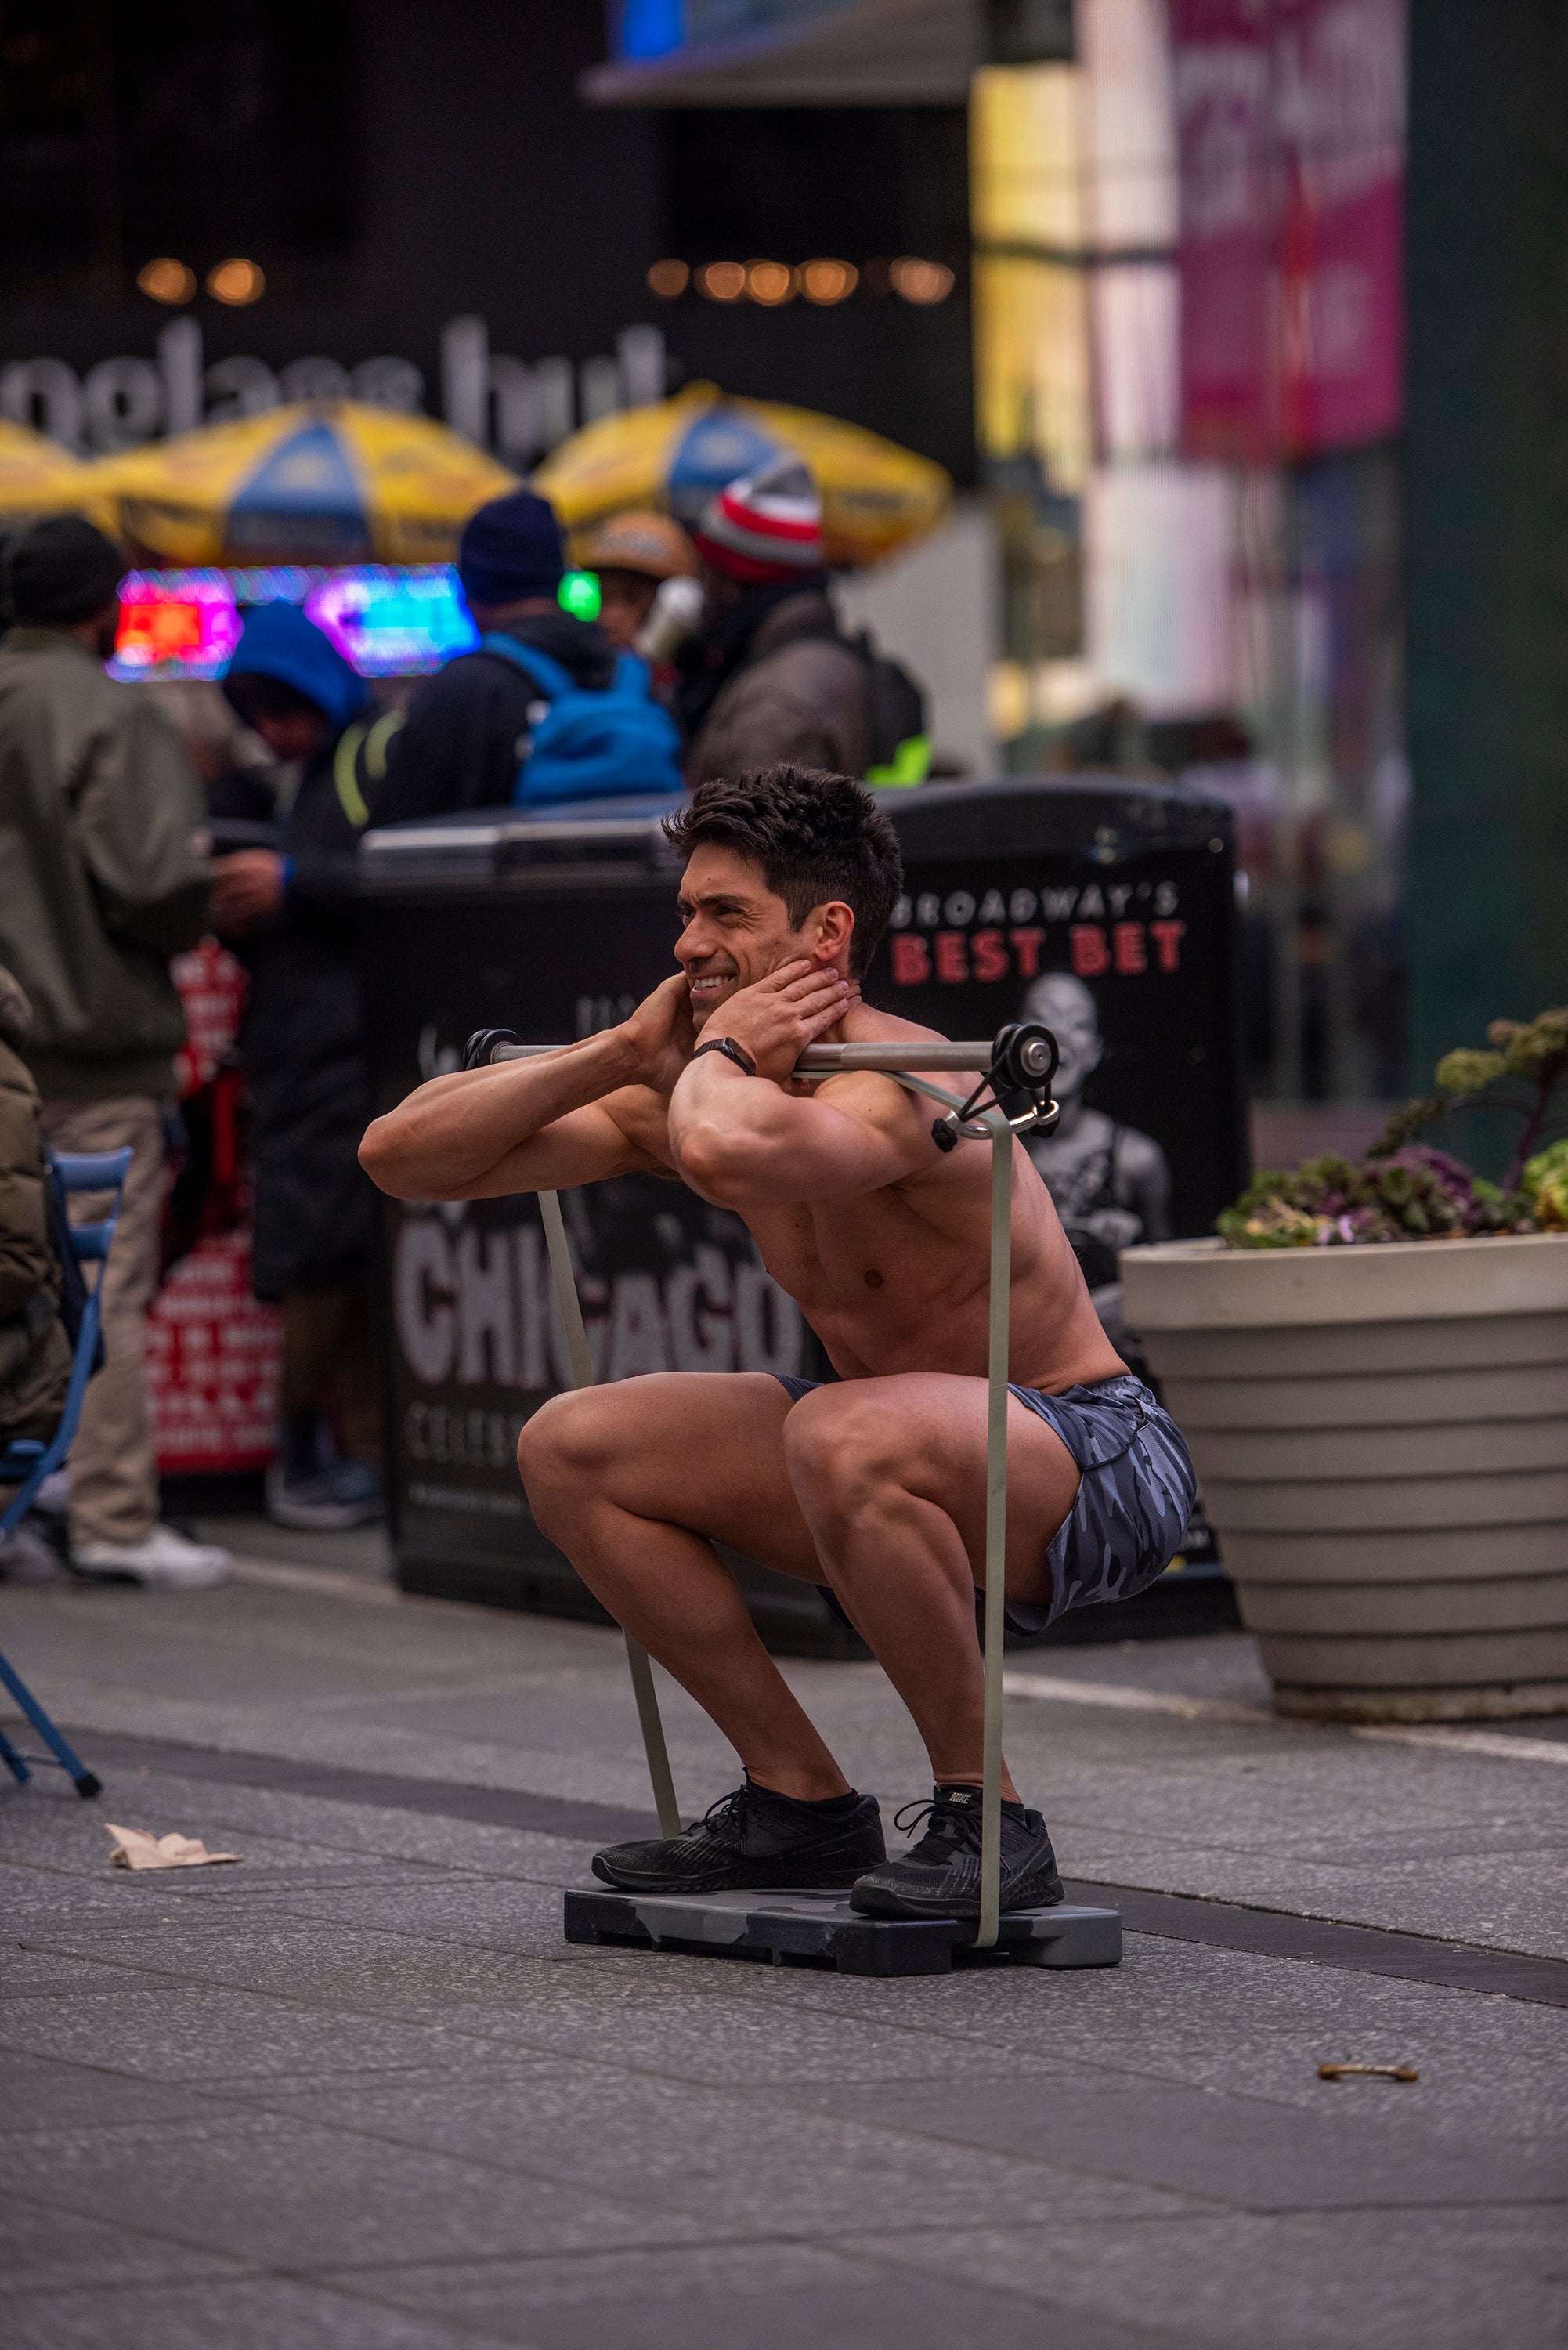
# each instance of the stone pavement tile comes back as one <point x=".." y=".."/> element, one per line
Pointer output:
<point x="250" y="2314"/>
<point x="711" y="2153"/>
<point x="27" y="1973"/>
<point x="43" y="2249"/>
<point x="40" y="2093"/>
<point x="755" y="2296"/>
<point x="1381" y="2280"/>
<point x="298" y="2195"/>
<point x="185" y="2031"/>
<point x="1249" y="2151"/>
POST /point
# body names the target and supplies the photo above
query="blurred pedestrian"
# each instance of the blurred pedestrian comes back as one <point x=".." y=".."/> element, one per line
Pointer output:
<point x="468" y="726"/>
<point x="105" y="878"/>
<point x="34" y="1352"/>
<point x="771" y="676"/>
<point x="302" y="1042"/>
<point x="633" y="555"/>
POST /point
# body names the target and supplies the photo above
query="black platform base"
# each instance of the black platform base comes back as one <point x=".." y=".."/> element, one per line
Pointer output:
<point x="820" y="1930"/>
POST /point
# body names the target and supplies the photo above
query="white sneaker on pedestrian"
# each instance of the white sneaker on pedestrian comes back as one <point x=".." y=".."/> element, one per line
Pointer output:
<point x="162" y="1556"/>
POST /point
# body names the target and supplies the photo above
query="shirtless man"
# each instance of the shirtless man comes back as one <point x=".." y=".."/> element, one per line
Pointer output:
<point x="876" y="1483"/>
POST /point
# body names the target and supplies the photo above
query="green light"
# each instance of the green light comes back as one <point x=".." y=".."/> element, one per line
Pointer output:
<point x="579" y="594"/>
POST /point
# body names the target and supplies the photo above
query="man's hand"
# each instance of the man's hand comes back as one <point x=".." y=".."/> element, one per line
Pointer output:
<point x="661" y="1034"/>
<point x="779" y="1016"/>
<point x="247" y="891"/>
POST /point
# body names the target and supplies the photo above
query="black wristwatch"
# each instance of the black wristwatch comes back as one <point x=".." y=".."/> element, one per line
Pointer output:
<point x="731" y="1052"/>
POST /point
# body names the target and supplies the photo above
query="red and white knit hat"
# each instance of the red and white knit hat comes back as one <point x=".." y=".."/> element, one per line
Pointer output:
<point x="765" y="527"/>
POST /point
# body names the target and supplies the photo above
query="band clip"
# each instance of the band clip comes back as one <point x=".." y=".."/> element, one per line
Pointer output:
<point x="1024" y="1059"/>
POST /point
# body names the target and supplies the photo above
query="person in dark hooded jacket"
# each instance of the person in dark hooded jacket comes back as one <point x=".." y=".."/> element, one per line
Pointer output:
<point x="303" y="1046"/>
<point x="469" y="725"/>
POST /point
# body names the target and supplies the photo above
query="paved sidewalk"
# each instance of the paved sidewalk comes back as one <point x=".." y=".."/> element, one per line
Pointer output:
<point x="356" y="2091"/>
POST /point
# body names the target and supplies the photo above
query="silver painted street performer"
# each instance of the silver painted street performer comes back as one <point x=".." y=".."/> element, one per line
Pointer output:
<point x="874" y="1483"/>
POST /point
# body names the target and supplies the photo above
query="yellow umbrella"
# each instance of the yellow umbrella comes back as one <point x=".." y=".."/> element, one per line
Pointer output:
<point x="39" y="477"/>
<point x="678" y="453"/>
<point x="322" y="482"/>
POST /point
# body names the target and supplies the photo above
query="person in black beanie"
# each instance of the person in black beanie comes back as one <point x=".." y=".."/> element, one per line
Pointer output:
<point x="104" y="878"/>
<point x="461" y="747"/>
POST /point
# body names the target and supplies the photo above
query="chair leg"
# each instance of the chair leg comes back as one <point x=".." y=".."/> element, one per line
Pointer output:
<point x="13" y="1761"/>
<point x="65" y="1756"/>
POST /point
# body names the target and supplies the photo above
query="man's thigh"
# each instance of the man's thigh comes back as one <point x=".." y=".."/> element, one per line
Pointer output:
<point x="702" y="1450"/>
<point x="928" y="1432"/>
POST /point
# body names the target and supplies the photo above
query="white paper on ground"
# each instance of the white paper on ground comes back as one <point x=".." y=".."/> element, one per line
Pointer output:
<point x="134" y="1848"/>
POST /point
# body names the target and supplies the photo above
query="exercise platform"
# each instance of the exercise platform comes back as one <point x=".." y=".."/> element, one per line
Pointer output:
<point x="820" y="1930"/>
<point x="1013" y="1097"/>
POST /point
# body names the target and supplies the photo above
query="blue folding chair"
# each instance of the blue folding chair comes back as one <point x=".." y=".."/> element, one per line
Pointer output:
<point x="26" y="1463"/>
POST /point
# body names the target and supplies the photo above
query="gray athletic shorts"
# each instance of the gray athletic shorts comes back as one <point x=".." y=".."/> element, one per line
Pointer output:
<point x="1135" y="1493"/>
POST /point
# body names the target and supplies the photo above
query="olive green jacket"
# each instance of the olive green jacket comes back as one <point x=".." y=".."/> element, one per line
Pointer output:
<point x="102" y="871"/>
<point x="35" y="1353"/>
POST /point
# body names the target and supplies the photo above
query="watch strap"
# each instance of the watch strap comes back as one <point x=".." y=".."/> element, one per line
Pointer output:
<point x="731" y="1052"/>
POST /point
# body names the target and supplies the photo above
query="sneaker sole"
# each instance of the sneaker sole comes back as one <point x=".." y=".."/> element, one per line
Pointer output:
<point x="325" y="1517"/>
<point x="881" y="1901"/>
<point x="837" y="1880"/>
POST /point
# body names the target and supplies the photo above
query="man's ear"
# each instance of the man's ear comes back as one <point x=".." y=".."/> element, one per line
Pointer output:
<point x="831" y="927"/>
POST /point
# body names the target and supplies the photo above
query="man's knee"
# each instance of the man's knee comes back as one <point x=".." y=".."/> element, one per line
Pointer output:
<point x="841" y="1449"/>
<point x="558" y="1449"/>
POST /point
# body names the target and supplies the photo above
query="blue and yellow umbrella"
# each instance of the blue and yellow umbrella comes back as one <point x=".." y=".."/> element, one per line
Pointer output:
<point x="676" y="454"/>
<point x="319" y="482"/>
<point x="37" y="477"/>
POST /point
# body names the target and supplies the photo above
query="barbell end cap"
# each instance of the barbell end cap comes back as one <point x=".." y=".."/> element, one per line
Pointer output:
<point x="477" y="1052"/>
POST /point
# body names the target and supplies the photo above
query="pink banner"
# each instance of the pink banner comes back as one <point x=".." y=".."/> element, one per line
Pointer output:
<point x="1291" y="124"/>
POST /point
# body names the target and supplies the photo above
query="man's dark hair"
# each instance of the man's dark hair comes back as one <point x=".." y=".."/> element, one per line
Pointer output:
<point x="816" y="838"/>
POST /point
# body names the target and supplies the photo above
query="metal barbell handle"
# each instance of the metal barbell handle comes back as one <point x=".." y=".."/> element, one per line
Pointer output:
<point x="829" y="1060"/>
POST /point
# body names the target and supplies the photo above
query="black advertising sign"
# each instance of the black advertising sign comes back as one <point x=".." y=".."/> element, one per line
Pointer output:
<point x="1105" y="910"/>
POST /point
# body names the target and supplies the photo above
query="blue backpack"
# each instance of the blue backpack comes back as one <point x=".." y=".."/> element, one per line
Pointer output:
<point x="592" y="745"/>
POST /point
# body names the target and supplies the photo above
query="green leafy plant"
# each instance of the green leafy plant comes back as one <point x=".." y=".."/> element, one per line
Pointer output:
<point x="1403" y="1190"/>
<point x="1524" y="1073"/>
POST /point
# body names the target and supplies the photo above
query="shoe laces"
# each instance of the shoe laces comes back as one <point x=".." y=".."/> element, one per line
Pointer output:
<point x="950" y="1827"/>
<point x="726" y="1819"/>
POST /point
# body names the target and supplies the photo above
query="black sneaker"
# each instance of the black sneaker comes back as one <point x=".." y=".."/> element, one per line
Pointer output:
<point x="752" y="1837"/>
<point x="939" y="1877"/>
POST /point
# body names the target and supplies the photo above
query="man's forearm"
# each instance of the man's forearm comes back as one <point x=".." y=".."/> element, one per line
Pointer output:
<point x="455" y="1130"/>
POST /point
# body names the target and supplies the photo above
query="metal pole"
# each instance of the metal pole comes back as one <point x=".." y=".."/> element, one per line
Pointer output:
<point x="829" y="1060"/>
<point x="995" y="1526"/>
<point x="637" y="1656"/>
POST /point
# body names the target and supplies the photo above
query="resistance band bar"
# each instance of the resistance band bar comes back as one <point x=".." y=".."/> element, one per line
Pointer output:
<point x="900" y="1062"/>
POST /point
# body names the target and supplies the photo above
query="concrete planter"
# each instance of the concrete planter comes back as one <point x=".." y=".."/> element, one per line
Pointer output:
<point x="1382" y="1434"/>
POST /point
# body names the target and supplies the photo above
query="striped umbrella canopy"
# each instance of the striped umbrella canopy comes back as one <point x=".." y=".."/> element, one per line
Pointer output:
<point x="676" y="455"/>
<point x="39" y="477"/>
<point x="320" y="481"/>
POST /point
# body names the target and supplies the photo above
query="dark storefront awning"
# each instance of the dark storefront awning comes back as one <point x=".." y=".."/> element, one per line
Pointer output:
<point x="863" y="53"/>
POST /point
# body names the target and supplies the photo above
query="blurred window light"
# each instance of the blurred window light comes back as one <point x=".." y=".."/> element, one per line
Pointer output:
<point x="770" y="283"/>
<point x="920" y="281"/>
<point x="166" y="279"/>
<point x="1007" y="700"/>
<point x="722" y="281"/>
<point x="829" y="281"/>
<point x="646" y="28"/>
<point x="668" y="279"/>
<point x="1026" y="181"/>
<point x="236" y="282"/>
<point x="1032" y="365"/>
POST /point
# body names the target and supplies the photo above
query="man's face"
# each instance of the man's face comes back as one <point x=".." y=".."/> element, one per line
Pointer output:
<point x="736" y="931"/>
<point x="626" y="598"/>
<point x="1068" y="1009"/>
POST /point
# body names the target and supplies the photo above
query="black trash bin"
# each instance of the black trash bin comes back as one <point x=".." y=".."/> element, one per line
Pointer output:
<point x="554" y="927"/>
